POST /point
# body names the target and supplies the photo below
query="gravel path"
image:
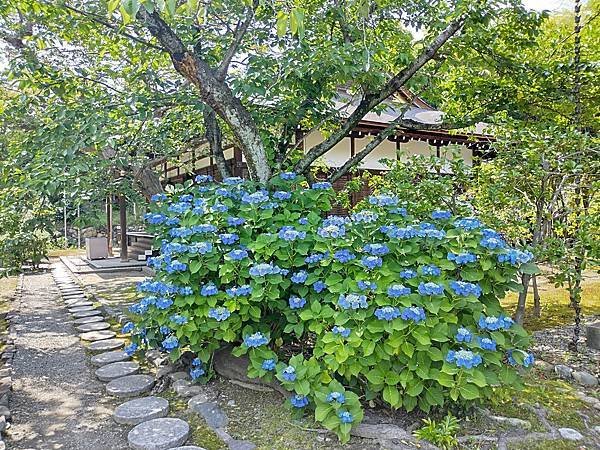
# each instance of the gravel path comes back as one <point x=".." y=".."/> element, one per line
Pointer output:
<point x="57" y="403"/>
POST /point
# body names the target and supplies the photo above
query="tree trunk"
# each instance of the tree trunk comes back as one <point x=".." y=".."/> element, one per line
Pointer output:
<point x="575" y="298"/>
<point x="537" y="307"/>
<point x="520" y="312"/>
<point x="148" y="181"/>
<point x="109" y="224"/>
<point x="123" y="224"/>
<point x="214" y="137"/>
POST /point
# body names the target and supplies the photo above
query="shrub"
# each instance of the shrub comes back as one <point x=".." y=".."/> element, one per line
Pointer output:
<point x="374" y="305"/>
<point x="442" y="434"/>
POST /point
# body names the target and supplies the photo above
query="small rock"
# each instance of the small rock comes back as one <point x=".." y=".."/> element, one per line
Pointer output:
<point x="95" y="326"/>
<point x="511" y="421"/>
<point x="130" y="386"/>
<point x="188" y="447"/>
<point x="198" y="399"/>
<point x="2" y="423"/>
<point x="543" y="365"/>
<point x="585" y="378"/>
<point x="4" y="398"/>
<point x="231" y="403"/>
<point x="570" y="434"/>
<point x="109" y="357"/>
<point x="179" y="376"/>
<point x="4" y="411"/>
<point x="90" y="319"/>
<point x="106" y="345"/>
<point x="165" y="370"/>
<point x="593" y="335"/>
<point x="117" y="370"/>
<point x="140" y="410"/>
<point x="564" y="372"/>
<point x="159" y="434"/>
<point x="97" y="335"/>
<point x="234" y="444"/>
<point x="81" y="314"/>
<point x="81" y="309"/>
<point x="597" y="429"/>
<point x="184" y="388"/>
<point x="212" y="414"/>
<point x="380" y="431"/>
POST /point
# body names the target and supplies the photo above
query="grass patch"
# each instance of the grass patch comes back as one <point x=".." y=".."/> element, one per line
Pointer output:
<point x="56" y="252"/>
<point x="545" y="444"/>
<point x="556" y="309"/>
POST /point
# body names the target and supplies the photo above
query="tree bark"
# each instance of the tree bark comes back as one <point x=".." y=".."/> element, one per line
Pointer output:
<point x="215" y="141"/>
<point x="148" y="181"/>
<point x="520" y="312"/>
<point x="537" y="307"/>
<point x="123" y="226"/>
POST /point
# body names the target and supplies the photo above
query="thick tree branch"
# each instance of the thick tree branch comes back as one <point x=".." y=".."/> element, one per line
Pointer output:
<point x="215" y="141"/>
<point x="238" y="35"/>
<point x="214" y="93"/>
<point x="371" y="100"/>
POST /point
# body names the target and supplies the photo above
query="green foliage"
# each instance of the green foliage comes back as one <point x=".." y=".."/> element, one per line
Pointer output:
<point x="318" y="338"/>
<point x="442" y="434"/>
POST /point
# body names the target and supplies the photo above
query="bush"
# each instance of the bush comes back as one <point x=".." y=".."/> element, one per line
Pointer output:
<point x="375" y="305"/>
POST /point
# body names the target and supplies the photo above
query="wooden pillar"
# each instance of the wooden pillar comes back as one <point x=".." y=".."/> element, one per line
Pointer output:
<point x="109" y="224"/>
<point x="123" y="221"/>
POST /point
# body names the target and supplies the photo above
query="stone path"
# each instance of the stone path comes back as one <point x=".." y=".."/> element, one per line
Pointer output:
<point x="57" y="402"/>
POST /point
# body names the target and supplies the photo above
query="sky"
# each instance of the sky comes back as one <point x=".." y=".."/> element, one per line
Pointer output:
<point x="551" y="5"/>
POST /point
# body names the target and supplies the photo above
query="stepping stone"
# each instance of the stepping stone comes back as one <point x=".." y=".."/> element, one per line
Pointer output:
<point x="159" y="434"/>
<point x="82" y="308"/>
<point x="109" y="357"/>
<point x="106" y="345"/>
<point x="188" y="447"/>
<point x="78" y="299"/>
<point x="117" y="370"/>
<point x="96" y="326"/>
<point x="97" y="335"/>
<point x="90" y="319"/>
<point x="78" y="302"/>
<point x="212" y="414"/>
<point x="71" y="292"/>
<point x="140" y="410"/>
<point x="130" y="386"/>
<point x="81" y="314"/>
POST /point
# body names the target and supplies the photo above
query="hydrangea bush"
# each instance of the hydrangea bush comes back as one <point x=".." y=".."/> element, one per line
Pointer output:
<point x="377" y="305"/>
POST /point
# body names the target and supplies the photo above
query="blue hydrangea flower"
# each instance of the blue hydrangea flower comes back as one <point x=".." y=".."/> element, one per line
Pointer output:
<point x="344" y="256"/>
<point x="232" y="181"/>
<point x="468" y="223"/>
<point x="332" y="231"/>
<point x="175" y="266"/>
<point x="464" y="289"/>
<point x="299" y="277"/>
<point x="299" y="401"/>
<point x="235" y="221"/>
<point x="398" y="290"/>
<point x="296" y="302"/>
<point x="158" y="198"/>
<point x="219" y="207"/>
<point x="219" y="314"/>
<point x="492" y="243"/>
<point x="268" y="365"/>
<point x="238" y="254"/>
<point x="341" y="331"/>
<point x="256" y="340"/>
<point x="239" y="291"/>
<point x="400" y="211"/>
<point x="462" y="258"/>
<point x="209" y="289"/>
<point x="365" y="285"/>
<point x="345" y="417"/>
<point x="131" y="349"/>
<point x="201" y="247"/>
<point x="431" y="271"/>
<point x="376" y="249"/>
<point x="319" y="286"/>
<point x="154" y="219"/>
<point x="289" y="373"/>
<point x="365" y="217"/>
<point x="170" y="343"/>
<point x="414" y="313"/>
<point x="288" y="176"/>
<point x="229" y="238"/>
<point x="196" y="362"/>
<point x="515" y="257"/>
<point x="178" y="319"/>
<point x="163" y="302"/>
<point x="181" y="232"/>
<point x="371" y="262"/>
<point x="383" y="200"/>
<point x="353" y="301"/>
<point x="164" y="330"/>
<point x="204" y="228"/>
<point x="387" y="313"/>
<point x="463" y="335"/>
<point x="407" y="274"/>
<point x="282" y="195"/>
<point x="487" y="344"/>
<point x="196" y="373"/>
<point x="263" y="269"/>
<point x="303" y="221"/>
<point x="179" y="208"/>
<point x="289" y="233"/>
<point x="255" y="198"/>
<point x="441" y="215"/>
<point x="203" y="179"/>
<point x="321" y="185"/>
<point x="528" y="360"/>
<point x="335" y="396"/>
<point x="127" y="328"/>
<point x="430" y="288"/>
<point x="464" y="358"/>
<point x="492" y="323"/>
<point x="314" y="258"/>
<point x="172" y="221"/>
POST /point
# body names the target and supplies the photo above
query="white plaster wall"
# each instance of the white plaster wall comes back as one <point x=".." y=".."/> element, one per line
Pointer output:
<point x="335" y="157"/>
<point x="385" y="150"/>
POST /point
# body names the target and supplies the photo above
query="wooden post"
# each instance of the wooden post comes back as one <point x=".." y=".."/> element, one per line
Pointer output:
<point x="109" y="234"/>
<point x="123" y="221"/>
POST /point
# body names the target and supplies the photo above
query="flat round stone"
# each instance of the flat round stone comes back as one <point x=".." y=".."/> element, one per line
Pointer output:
<point x="130" y="386"/>
<point x="89" y="320"/>
<point x="117" y="370"/>
<point x="159" y="434"/>
<point x="72" y="293"/>
<point x="106" y="345"/>
<point x="96" y="326"/>
<point x="187" y="447"/>
<point x="140" y="410"/>
<point x="80" y="314"/>
<point x="109" y="357"/>
<point x="82" y="308"/>
<point x="78" y="303"/>
<point x="97" y="335"/>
